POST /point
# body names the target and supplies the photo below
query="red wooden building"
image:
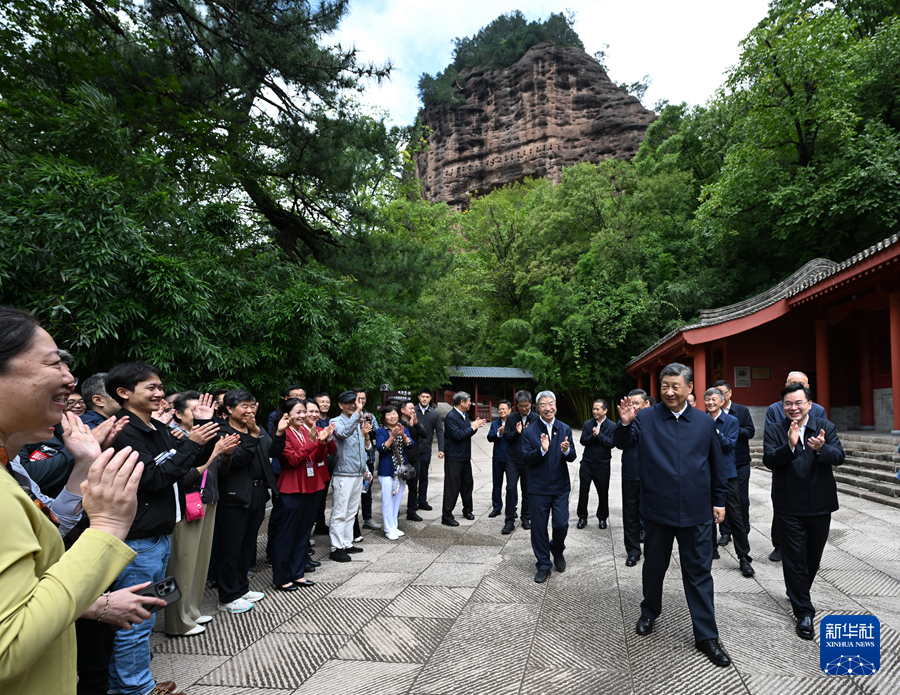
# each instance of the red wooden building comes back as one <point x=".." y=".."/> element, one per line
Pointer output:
<point x="837" y="322"/>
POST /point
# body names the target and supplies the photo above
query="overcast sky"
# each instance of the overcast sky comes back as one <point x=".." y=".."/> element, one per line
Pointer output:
<point x="686" y="47"/>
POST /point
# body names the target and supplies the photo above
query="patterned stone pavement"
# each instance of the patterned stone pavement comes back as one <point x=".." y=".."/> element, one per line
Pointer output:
<point x="455" y="611"/>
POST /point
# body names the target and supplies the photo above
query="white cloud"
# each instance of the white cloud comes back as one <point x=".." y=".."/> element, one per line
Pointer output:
<point x="686" y="47"/>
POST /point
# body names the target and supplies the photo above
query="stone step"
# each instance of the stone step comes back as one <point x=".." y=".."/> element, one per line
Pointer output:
<point x="872" y="456"/>
<point x="869" y="495"/>
<point x="881" y="440"/>
<point x="856" y="445"/>
<point x="888" y="489"/>
<point x="851" y="467"/>
<point x="873" y="464"/>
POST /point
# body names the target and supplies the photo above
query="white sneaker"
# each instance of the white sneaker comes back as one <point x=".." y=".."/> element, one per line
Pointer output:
<point x="254" y="596"/>
<point x="196" y="630"/>
<point x="239" y="605"/>
<point x="312" y="541"/>
<point x="392" y="536"/>
<point x="400" y="533"/>
<point x="203" y="619"/>
<point x="358" y="539"/>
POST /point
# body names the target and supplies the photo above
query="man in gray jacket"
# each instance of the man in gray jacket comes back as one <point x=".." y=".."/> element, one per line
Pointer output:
<point x="430" y="419"/>
<point x="352" y="435"/>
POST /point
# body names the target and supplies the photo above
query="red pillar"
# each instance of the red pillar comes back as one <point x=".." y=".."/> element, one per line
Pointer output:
<point x="895" y="359"/>
<point x="823" y="384"/>
<point x="866" y="393"/>
<point x="654" y="383"/>
<point x="699" y="374"/>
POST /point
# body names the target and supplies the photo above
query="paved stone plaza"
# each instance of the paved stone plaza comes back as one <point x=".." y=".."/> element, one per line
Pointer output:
<point x="455" y="611"/>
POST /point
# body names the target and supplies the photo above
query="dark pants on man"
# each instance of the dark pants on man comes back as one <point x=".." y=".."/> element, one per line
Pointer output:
<point x="516" y="474"/>
<point x="733" y="511"/>
<point x="695" y="556"/>
<point x="803" y="541"/>
<point x="458" y="482"/>
<point x="743" y="479"/>
<point x="412" y="487"/>
<point x="598" y="474"/>
<point x="95" y="645"/>
<point x="238" y="528"/>
<point x="298" y="516"/>
<point x="631" y="516"/>
<point x="498" y="467"/>
<point x="424" y="463"/>
<point x="541" y="543"/>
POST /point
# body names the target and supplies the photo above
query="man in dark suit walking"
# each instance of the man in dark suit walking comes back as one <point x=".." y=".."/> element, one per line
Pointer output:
<point x="746" y="432"/>
<point x="683" y="492"/>
<point x="458" y="481"/>
<point x="546" y="448"/>
<point x="596" y="438"/>
<point x="802" y="450"/>
<point x="430" y="419"/>
<point x="774" y="415"/>
<point x="516" y="470"/>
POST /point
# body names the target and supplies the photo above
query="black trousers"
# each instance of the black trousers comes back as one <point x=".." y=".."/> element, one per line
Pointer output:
<point x="516" y="475"/>
<point x="498" y="468"/>
<point x="695" y="555"/>
<point x="238" y="528"/>
<point x="298" y="516"/>
<point x="412" y="488"/>
<point x="274" y="522"/>
<point x="95" y="645"/>
<point x="598" y="474"/>
<point x="424" y="463"/>
<point x="743" y="479"/>
<point x="458" y="482"/>
<point x="541" y="543"/>
<point x="631" y="516"/>
<point x="733" y="511"/>
<point x="803" y="540"/>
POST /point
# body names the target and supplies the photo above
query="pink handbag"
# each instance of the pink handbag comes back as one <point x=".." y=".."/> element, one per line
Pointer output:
<point x="193" y="502"/>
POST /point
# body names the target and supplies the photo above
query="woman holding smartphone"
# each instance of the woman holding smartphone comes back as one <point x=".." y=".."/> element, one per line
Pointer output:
<point x="392" y="441"/>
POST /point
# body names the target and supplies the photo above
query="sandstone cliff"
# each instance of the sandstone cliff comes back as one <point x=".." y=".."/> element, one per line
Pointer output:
<point x="554" y="108"/>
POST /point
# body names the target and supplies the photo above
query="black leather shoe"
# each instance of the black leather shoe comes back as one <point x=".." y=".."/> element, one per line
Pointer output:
<point x="602" y="523"/>
<point x="412" y="516"/>
<point x="469" y="515"/>
<point x="805" y="627"/>
<point x="716" y="555"/>
<point x="314" y="563"/>
<point x="746" y="568"/>
<point x="725" y="539"/>
<point x="526" y="524"/>
<point x="775" y="555"/>
<point x="542" y="576"/>
<point x="714" y="652"/>
<point x="339" y="556"/>
<point x="494" y="514"/>
<point x="559" y="562"/>
<point x="424" y="505"/>
<point x="508" y="528"/>
<point x="632" y="560"/>
<point x="309" y="568"/>
<point x="644" y="626"/>
<point x="449" y="522"/>
<point x="305" y="584"/>
<point x="353" y="549"/>
<point x="286" y="589"/>
<point x="582" y="522"/>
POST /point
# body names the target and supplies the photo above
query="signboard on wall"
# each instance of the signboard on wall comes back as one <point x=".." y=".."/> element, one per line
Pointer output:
<point x="741" y="377"/>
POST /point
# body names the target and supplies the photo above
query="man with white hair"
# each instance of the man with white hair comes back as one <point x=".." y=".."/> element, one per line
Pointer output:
<point x="547" y="446"/>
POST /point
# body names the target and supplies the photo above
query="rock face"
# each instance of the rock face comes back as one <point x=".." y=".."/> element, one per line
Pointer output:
<point x="554" y="108"/>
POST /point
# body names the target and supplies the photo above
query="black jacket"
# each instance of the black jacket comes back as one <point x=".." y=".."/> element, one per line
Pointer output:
<point x="513" y="438"/>
<point x="48" y="463"/>
<point x="803" y="479"/>
<point x="433" y="427"/>
<point x="597" y="448"/>
<point x="417" y="433"/>
<point x="458" y="434"/>
<point x="156" y="496"/>
<point x="249" y="463"/>
<point x="747" y="431"/>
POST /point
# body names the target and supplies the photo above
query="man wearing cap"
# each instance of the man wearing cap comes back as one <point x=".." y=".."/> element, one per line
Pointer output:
<point x="352" y="436"/>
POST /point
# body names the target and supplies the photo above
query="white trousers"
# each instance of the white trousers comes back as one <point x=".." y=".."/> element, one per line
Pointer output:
<point x="344" y="505"/>
<point x="390" y="504"/>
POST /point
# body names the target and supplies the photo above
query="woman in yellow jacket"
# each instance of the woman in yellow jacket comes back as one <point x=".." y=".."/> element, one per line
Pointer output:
<point x="42" y="590"/>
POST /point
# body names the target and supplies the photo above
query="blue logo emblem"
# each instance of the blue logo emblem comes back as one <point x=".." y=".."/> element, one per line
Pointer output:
<point x="850" y="645"/>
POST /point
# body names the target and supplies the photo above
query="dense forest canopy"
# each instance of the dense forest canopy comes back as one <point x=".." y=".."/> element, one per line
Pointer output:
<point x="197" y="185"/>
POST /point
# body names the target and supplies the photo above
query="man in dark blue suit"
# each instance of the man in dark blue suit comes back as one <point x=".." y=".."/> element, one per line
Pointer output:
<point x="498" y="458"/>
<point x="516" y="470"/>
<point x="683" y="492"/>
<point x="774" y="415"/>
<point x="802" y="450"/>
<point x="596" y="438"/>
<point x="728" y="429"/>
<point x="546" y="448"/>
<point x="741" y="459"/>
<point x="458" y="481"/>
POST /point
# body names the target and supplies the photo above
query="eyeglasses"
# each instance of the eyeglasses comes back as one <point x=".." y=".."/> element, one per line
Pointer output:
<point x="72" y="403"/>
<point x="790" y="405"/>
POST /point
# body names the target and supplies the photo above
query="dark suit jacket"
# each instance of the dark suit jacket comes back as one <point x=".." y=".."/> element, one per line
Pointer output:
<point x="513" y="438"/>
<point x="416" y="433"/>
<point x="747" y="432"/>
<point x="631" y="464"/>
<point x="597" y="449"/>
<point x="458" y="434"/>
<point x="802" y="479"/>
<point x="682" y="469"/>
<point x="548" y="473"/>
<point x="728" y="429"/>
